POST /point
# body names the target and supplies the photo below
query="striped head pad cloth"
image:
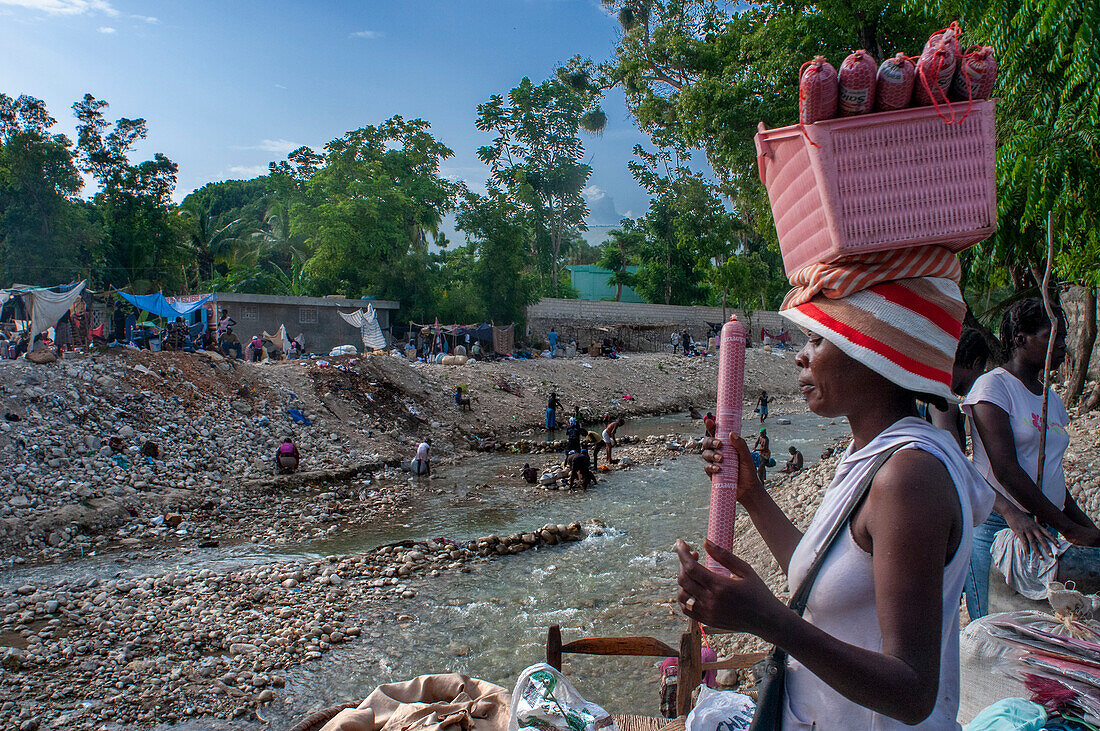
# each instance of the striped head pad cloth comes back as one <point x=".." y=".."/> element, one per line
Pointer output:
<point x="897" y="312"/>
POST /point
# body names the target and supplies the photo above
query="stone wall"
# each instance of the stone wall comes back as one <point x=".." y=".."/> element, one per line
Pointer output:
<point x="639" y="327"/>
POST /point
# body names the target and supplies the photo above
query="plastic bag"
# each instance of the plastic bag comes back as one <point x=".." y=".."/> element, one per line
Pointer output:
<point x="1010" y="714"/>
<point x="545" y="700"/>
<point x="720" y="709"/>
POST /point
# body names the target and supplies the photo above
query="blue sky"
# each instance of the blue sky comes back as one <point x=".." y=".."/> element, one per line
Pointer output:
<point x="228" y="86"/>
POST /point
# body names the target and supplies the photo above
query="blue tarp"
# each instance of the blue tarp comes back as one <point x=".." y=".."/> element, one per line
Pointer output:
<point x="157" y="305"/>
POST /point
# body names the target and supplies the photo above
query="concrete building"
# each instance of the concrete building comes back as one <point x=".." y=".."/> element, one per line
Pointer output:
<point x="316" y="318"/>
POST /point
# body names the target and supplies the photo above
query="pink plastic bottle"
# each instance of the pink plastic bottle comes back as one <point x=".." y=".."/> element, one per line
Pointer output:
<point x="723" y="486"/>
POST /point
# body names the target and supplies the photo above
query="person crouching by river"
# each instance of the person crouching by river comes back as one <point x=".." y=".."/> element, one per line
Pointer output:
<point x="287" y="458"/>
<point x="421" y="464"/>
<point x="878" y="645"/>
<point x="1005" y="407"/>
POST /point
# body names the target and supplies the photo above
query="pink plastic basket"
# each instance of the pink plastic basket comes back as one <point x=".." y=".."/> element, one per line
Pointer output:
<point x="889" y="180"/>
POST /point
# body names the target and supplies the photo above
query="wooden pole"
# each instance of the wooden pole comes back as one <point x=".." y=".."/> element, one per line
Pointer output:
<point x="1050" y="350"/>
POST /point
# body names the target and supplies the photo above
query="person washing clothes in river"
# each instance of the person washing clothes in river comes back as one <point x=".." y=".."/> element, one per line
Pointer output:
<point x="422" y="462"/>
<point x="594" y="443"/>
<point x="287" y="457"/>
<point x="878" y="646"/>
<point x="609" y="437"/>
<point x="579" y="466"/>
<point x="1005" y="410"/>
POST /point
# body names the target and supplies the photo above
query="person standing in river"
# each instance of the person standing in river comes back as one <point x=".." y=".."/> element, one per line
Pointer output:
<point x="609" y="437"/>
<point x="573" y="436"/>
<point x="552" y="405"/>
<point x="877" y="648"/>
<point x="762" y="406"/>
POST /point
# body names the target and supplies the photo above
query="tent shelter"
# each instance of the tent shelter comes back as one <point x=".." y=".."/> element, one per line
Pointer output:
<point x="156" y="304"/>
<point x="44" y="306"/>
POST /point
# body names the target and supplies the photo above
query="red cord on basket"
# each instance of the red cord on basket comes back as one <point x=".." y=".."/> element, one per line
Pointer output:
<point x="970" y="53"/>
<point x="801" y="98"/>
<point x="936" y="72"/>
<point x="706" y="640"/>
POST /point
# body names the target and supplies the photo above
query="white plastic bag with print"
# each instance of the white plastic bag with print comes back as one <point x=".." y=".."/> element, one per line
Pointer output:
<point x="545" y="700"/>
<point x="720" y="710"/>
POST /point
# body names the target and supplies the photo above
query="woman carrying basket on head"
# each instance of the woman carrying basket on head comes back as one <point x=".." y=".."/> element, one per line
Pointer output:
<point x="877" y="645"/>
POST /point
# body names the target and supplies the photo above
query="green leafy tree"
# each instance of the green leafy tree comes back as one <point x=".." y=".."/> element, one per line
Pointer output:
<point x="47" y="234"/>
<point x="145" y="240"/>
<point x="368" y="208"/>
<point x="744" y="278"/>
<point x="702" y="73"/>
<point x="536" y="155"/>
<point x="686" y="228"/>
<point x="620" y="251"/>
<point x="498" y="230"/>
<point x="1048" y="157"/>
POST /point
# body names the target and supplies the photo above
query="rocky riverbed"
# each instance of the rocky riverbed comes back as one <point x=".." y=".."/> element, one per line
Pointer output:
<point x="151" y="456"/>
<point x="149" y="649"/>
<point x="109" y="451"/>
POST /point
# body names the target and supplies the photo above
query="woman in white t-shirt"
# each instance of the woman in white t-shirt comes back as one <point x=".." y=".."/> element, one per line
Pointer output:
<point x="1005" y="406"/>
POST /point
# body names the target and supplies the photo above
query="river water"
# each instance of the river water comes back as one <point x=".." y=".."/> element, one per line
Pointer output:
<point x="492" y="622"/>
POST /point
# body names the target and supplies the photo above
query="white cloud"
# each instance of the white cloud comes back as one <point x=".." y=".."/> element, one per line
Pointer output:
<point x="369" y="34"/>
<point x="248" y="171"/>
<point x="77" y="7"/>
<point x="279" y="146"/>
<point x="279" y="86"/>
<point x="106" y="29"/>
<point x="65" y="7"/>
<point x="593" y="193"/>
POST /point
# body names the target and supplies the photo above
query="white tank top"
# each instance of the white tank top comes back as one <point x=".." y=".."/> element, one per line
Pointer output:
<point x="842" y="601"/>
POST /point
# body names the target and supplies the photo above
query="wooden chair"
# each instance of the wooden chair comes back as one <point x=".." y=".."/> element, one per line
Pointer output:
<point x="692" y="667"/>
<point x="689" y="656"/>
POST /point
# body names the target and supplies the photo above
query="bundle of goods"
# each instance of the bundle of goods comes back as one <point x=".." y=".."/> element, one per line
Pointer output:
<point x="885" y="156"/>
<point x="1060" y="660"/>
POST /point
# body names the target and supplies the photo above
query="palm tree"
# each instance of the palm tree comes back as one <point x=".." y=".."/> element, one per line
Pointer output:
<point x="208" y="242"/>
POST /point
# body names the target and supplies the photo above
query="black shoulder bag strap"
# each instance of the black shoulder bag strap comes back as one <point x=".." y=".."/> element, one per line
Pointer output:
<point x="769" y="703"/>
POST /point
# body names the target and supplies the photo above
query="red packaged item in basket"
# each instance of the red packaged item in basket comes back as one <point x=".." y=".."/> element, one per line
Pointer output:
<point x="936" y="69"/>
<point x="894" y="85"/>
<point x="856" y="84"/>
<point x="976" y="75"/>
<point x="817" y="91"/>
